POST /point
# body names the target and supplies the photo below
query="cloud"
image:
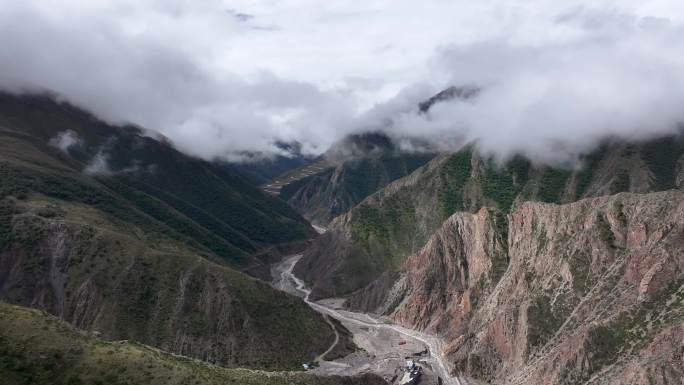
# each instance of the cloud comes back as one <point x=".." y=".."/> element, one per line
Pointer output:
<point x="65" y="140"/>
<point x="554" y="76"/>
<point x="100" y="62"/>
<point x="104" y="163"/>
<point x="615" y="75"/>
<point x="99" y="165"/>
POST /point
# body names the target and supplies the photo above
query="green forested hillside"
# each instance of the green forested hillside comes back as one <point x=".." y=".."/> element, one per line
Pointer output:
<point x="120" y="233"/>
<point x="323" y="196"/>
<point x="198" y="201"/>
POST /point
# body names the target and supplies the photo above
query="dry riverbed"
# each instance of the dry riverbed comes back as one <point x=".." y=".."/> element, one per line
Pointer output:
<point x="384" y="349"/>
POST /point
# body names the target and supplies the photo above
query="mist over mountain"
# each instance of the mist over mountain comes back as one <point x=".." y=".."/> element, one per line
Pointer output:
<point x="362" y="193"/>
<point x="553" y="78"/>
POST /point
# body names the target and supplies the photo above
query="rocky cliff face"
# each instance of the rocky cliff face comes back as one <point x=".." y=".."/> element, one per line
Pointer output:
<point x="587" y="292"/>
<point x="377" y="236"/>
<point x="447" y="277"/>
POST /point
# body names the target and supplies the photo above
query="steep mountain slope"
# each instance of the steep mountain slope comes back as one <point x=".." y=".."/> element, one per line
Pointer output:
<point x="587" y="292"/>
<point x="452" y="93"/>
<point x="356" y="167"/>
<point x="370" y="243"/>
<point x="259" y="169"/>
<point x="276" y="185"/>
<point x="144" y="247"/>
<point x="218" y="210"/>
<point x="40" y="349"/>
<point x="322" y="197"/>
<point x="128" y="283"/>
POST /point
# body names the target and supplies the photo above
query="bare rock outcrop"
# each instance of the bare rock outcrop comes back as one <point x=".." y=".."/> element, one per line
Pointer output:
<point x="586" y="292"/>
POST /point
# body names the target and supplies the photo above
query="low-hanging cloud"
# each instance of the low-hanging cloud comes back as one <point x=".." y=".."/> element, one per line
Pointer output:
<point x="553" y="78"/>
<point x="98" y="165"/>
<point x="66" y="140"/>
<point x="615" y="76"/>
<point x="93" y="60"/>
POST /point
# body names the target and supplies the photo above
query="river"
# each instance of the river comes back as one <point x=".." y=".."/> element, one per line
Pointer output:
<point x="377" y="336"/>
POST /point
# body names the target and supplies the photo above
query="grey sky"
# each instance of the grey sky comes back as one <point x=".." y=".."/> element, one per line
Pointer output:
<point x="220" y="77"/>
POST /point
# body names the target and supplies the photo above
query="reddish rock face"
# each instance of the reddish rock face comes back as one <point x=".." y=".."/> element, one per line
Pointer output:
<point x="451" y="265"/>
<point x="587" y="292"/>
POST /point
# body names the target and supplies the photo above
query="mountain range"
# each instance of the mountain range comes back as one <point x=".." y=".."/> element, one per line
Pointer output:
<point x="533" y="274"/>
<point x="119" y="233"/>
<point x="124" y="260"/>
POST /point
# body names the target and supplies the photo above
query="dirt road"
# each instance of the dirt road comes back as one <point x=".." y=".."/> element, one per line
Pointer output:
<point x="361" y="323"/>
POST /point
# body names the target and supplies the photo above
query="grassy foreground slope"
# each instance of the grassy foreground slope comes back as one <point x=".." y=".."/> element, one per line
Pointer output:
<point x="36" y="348"/>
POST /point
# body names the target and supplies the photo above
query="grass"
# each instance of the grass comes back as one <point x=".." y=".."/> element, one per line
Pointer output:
<point x="661" y="156"/>
<point x="503" y="184"/>
<point x="335" y="191"/>
<point x="6" y="212"/>
<point x="149" y="288"/>
<point x="209" y="206"/>
<point x="386" y="225"/>
<point x="552" y="184"/>
<point x="580" y="263"/>
<point x="621" y="182"/>
<point x="143" y="211"/>
<point x="454" y="174"/>
<point x="365" y="176"/>
<point x="500" y="260"/>
<point x="590" y="166"/>
<point x="543" y="322"/>
<point x="39" y="349"/>
<point x="605" y="231"/>
<point x="631" y="330"/>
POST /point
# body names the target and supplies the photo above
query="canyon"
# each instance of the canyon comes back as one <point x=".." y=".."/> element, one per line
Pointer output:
<point x="341" y="193"/>
<point x="525" y="285"/>
<point x="482" y="271"/>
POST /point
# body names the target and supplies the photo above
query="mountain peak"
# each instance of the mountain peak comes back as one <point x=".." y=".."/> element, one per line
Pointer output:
<point x="448" y="94"/>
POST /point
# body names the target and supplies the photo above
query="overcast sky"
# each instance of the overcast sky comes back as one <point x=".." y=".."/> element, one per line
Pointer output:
<point x="221" y="77"/>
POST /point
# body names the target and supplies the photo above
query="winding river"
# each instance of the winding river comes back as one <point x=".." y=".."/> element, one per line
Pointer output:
<point x="286" y="280"/>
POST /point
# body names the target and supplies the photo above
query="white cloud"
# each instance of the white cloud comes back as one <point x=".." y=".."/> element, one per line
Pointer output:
<point x="615" y="75"/>
<point x="65" y="140"/>
<point x="220" y="77"/>
<point x="98" y="165"/>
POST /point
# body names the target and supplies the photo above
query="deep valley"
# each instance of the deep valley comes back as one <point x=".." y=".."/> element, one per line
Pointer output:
<point x="382" y="260"/>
